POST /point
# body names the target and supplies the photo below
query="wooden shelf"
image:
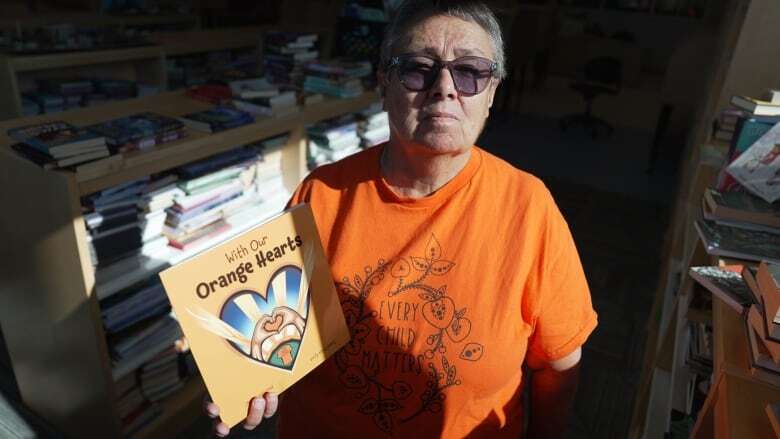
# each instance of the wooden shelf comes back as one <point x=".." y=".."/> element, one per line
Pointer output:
<point x="33" y="21"/>
<point x="50" y="289"/>
<point x="28" y="63"/>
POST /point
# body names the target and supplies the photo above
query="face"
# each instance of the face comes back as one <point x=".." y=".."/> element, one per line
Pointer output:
<point x="440" y="120"/>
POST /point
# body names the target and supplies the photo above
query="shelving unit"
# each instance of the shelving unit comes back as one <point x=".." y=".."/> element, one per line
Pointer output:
<point x="734" y="407"/>
<point x="18" y="73"/>
<point x="48" y="297"/>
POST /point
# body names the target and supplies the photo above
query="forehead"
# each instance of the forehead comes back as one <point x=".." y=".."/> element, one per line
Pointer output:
<point x="445" y="36"/>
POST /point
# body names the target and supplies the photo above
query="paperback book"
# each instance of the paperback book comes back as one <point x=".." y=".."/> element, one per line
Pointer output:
<point x="58" y="139"/>
<point x="260" y="311"/>
<point x="758" y="169"/>
<point x="738" y="243"/>
<point x="726" y="283"/>
<point x="216" y="119"/>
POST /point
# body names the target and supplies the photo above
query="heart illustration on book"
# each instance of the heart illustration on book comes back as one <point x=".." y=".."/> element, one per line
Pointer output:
<point x="269" y="328"/>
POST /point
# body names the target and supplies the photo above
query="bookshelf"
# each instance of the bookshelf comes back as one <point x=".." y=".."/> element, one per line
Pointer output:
<point x="18" y="73"/>
<point x="49" y="294"/>
<point x="734" y="406"/>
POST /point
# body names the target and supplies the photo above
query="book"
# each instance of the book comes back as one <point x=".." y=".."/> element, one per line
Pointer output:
<point x="136" y="127"/>
<point x="740" y="207"/>
<point x="757" y="168"/>
<point x="749" y="275"/>
<point x="58" y="139"/>
<point x="756" y="106"/>
<point x="768" y="277"/>
<point x="726" y="283"/>
<point x="738" y="243"/>
<point x="760" y="361"/>
<point x="756" y="320"/>
<point x="253" y="88"/>
<point x="216" y="119"/>
<point x="212" y="93"/>
<point x="259" y="311"/>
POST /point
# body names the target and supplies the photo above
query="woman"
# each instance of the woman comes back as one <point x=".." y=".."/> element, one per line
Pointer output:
<point x="454" y="269"/>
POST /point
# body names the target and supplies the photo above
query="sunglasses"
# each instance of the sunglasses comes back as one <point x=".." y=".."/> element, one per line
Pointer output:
<point x="470" y="74"/>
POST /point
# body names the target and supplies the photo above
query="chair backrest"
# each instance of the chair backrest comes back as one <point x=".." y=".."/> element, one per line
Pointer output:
<point x="605" y="70"/>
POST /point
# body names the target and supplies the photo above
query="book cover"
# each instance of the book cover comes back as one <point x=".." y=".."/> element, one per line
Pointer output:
<point x="726" y="283"/>
<point x="260" y="310"/>
<point x="768" y="277"/>
<point x="57" y="138"/>
<point x="217" y="119"/>
<point x="756" y="320"/>
<point x="738" y="243"/>
<point x="757" y="169"/>
<point x="756" y="106"/>
<point x="741" y="206"/>
<point x="135" y="127"/>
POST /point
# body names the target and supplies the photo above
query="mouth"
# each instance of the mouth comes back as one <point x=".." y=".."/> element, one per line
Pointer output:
<point x="439" y="116"/>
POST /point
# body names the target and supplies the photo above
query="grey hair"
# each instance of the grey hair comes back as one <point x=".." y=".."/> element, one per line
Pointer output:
<point x="410" y="12"/>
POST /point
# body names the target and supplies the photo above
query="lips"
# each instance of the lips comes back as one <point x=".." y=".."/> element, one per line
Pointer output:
<point x="439" y="115"/>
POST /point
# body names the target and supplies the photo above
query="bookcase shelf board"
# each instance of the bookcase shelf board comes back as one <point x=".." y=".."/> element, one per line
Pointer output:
<point x="54" y="61"/>
<point x="92" y="19"/>
<point x="49" y="298"/>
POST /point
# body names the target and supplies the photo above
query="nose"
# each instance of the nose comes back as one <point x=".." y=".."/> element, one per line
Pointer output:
<point x="444" y="87"/>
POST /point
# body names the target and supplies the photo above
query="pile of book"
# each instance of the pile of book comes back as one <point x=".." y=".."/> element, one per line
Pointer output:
<point x="340" y="78"/>
<point x="742" y="126"/>
<point x="259" y="97"/>
<point x="58" y="144"/>
<point x="218" y="189"/>
<point x="332" y="140"/>
<point x="117" y="230"/>
<point x="284" y="55"/>
<point x="190" y="70"/>
<point x="139" y="131"/>
<point x="754" y="292"/>
<point x="374" y="127"/>
<point x="54" y="95"/>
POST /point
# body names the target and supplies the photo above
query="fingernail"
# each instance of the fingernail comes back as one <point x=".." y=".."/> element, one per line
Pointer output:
<point x="222" y="430"/>
<point x="258" y="403"/>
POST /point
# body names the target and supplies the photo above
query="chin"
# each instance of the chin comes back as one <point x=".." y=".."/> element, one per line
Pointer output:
<point x="443" y="144"/>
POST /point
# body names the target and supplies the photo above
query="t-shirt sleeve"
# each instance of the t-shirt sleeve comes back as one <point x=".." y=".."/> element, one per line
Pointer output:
<point x="302" y="194"/>
<point x="565" y="315"/>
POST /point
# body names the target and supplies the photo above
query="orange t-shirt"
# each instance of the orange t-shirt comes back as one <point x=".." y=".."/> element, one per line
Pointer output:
<point x="444" y="295"/>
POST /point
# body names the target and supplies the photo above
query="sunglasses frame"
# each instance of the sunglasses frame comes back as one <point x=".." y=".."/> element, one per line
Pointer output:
<point x="395" y="63"/>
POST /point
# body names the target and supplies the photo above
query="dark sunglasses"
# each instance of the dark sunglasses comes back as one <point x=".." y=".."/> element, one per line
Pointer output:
<point x="470" y="74"/>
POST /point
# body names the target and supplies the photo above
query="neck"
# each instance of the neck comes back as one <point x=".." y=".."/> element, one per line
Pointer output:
<point x="416" y="175"/>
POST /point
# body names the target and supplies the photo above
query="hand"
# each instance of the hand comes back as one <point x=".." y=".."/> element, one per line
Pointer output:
<point x="260" y="407"/>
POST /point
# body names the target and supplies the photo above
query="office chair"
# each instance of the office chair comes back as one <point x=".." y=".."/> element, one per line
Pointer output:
<point x="601" y="76"/>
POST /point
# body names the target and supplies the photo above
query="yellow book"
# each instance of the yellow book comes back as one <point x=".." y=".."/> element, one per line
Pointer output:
<point x="260" y="311"/>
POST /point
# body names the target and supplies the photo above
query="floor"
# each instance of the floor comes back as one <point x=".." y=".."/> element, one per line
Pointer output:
<point x="617" y="213"/>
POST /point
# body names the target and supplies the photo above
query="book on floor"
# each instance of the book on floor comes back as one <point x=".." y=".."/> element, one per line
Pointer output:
<point x="259" y="311"/>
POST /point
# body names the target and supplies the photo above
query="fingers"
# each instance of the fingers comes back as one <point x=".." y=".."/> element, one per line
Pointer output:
<point x="221" y="429"/>
<point x="271" y="404"/>
<point x="212" y="410"/>
<point x="256" y="412"/>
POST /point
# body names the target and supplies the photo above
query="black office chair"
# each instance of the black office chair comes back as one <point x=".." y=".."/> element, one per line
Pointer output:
<point x="601" y="76"/>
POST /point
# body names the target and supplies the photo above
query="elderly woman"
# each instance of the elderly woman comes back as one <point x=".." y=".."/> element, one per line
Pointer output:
<point x="454" y="269"/>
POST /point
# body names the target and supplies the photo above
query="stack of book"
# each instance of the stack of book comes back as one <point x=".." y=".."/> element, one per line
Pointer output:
<point x="742" y="126"/>
<point x="58" y="144"/>
<point x="763" y="323"/>
<point x="332" y="140"/>
<point x="139" y="131"/>
<point x="216" y="119"/>
<point x="214" y="189"/>
<point x="741" y="210"/>
<point x="285" y="53"/>
<point x="116" y="231"/>
<point x="269" y="168"/>
<point x="374" y="127"/>
<point x="340" y="78"/>
<point x="72" y="90"/>
<point x="162" y="375"/>
<point x="47" y="102"/>
<point x="260" y="98"/>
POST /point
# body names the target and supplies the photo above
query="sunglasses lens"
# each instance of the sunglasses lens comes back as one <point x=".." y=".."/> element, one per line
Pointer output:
<point x="418" y="73"/>
<point x="470" y="74"/>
